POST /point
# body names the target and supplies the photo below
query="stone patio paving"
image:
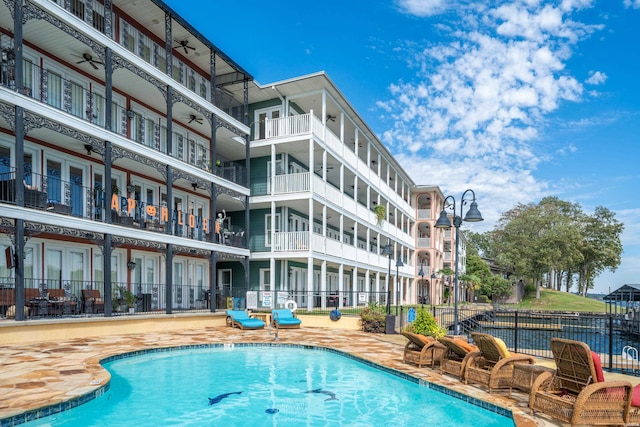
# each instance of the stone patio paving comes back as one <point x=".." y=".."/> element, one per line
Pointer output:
<point x="37" y="375"/>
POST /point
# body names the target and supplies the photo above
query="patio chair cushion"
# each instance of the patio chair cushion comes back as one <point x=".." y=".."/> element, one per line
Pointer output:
<point x="502" y="347"/>
<point x="425" y="339"/>
<point x="465" y="345"/>
<point x="285" y="317"/>
<point x="242" y="319"/>
<point x="597" y="363"/>
<point x="635" y="396"/>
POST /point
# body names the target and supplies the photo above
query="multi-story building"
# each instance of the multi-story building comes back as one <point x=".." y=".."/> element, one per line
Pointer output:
<point x="123" y="155"/>
<point x="327" y="197"/>
<point x="129" y="147"/>
<point x="433" y="245"/>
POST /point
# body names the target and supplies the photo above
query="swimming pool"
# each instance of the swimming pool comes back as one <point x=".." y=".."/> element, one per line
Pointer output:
<point x="243" y="385"/>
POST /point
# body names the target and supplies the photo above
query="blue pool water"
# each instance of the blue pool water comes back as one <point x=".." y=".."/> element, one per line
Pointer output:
<point x="265" y="385"/>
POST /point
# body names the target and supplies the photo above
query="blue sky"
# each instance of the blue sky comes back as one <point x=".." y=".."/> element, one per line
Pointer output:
<point x="514" y="99"/>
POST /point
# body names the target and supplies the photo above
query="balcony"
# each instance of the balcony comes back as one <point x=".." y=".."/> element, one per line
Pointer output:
<point x="71" y="198"/>
<point x="424" y="213"/>
<point x="424" y="242"/>
<point x="291" y="241"/>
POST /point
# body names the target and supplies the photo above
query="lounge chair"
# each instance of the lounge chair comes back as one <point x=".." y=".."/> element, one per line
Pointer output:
<point x="284" y="318"/>
<point x="422" y="350"/>
<point x="456" y="355"/>
<point x="93" y="301"/>
<point x="240" y="319"/>
<point x="577" y="393"/>
<point x="493" y="366"/>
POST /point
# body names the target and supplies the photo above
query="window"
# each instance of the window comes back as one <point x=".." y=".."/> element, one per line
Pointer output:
<point x="265" y="279"/>
<point x="27" y="77"/>
<point x="261" y="118"/>
<point x="77" y="191"/>
<point x="54" y="181"/>
<point x="267" y="230"/>
<point x="77" y="100"/>
<point x="54" y="89"/>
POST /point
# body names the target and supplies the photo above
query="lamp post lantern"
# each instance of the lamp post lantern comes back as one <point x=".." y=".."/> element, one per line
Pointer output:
<point x="473" y="215"/>
<point x="386" y="250"/>
<point x="399" y="264"/>
<point x="421" y="273"/>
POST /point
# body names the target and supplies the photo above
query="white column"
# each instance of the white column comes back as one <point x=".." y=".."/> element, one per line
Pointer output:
<point x="323" y="283"/>
<point x="340" y="285"/>
<point x="310" y="286"/>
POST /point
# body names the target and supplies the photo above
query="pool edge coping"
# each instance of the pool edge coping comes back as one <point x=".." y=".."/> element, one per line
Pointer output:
<point x="55" y="408"/>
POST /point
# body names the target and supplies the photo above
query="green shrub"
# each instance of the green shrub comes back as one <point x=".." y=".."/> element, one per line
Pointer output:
<point x="373" y="318"/>
<point x="426" y="324"/>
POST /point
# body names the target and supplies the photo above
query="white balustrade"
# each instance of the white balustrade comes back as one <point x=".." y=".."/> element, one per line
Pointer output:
<point x="289" y="241"/>
<point x="290" y="183"/>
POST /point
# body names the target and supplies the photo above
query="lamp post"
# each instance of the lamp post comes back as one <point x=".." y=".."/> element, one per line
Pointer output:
<point x="473" y="215"/>
<point x="386" y="250"/>
<point x="399" y="264"/>
<point x="421" y="273"/>
<point x="433" y="280"/>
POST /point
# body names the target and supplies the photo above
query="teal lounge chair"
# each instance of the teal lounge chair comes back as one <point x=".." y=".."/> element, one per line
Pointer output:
<point x="284" y="318"/>
<point x="240" y="319"/>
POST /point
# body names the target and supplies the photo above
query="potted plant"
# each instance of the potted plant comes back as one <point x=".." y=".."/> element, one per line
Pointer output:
<point x="372" y="318"/>
<point x="381" y="212"/>
<point x="130" y="300"/>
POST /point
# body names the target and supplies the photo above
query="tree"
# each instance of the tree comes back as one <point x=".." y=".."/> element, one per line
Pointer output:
<point x="601" y="246"/>
<point x="489" y="284"/>
<point x="479" y="244"/>
<point x="536" y="239"/>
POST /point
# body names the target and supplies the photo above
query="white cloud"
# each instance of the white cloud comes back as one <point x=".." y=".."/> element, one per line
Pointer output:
<point x="423" y="8"/>
<point x="632" y="3"/>
<point x="480" y="99"/>
<point x="596" y="77"/>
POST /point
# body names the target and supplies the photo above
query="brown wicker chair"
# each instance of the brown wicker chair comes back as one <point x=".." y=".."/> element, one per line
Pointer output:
<point x="493" y="366"/>
<point x="573" y="393"/>
<point x="455" y="356"/>
<point x="422" y="350"/>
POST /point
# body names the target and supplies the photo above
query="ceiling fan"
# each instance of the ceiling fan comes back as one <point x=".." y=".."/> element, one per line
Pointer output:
<point x="88" y="58"/>
<point x="194" y="118"/>
<point x="330" y="117"/>
<point x="319" y="168"/>
<point x="184" y="44"/>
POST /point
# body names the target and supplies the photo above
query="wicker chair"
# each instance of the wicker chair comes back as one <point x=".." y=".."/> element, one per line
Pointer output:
<point x="574" y="394"/>
<point x="493" y="366"/>
<point x="422" y="350"/>
<point x="455" y="356"/>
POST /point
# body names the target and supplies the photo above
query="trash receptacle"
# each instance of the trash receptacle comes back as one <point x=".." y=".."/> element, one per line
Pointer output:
<point x="390" y="324"/>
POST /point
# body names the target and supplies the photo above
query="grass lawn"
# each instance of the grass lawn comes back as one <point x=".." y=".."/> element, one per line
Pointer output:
<point x="551" y="300"/>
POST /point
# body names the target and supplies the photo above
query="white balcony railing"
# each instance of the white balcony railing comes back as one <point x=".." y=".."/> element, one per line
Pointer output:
<point x="287" y="126"/>
<point x="424" y="242"/>
<point x="290" y="183"/>
<point x="289" y="241"/>
<point x="424" y="213"/>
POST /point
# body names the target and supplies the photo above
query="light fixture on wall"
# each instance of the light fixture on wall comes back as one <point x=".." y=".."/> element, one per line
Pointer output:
<point x="131" y="265"/>
<point x="89" y="148"/>
<point x="131" y="188"/>
<point x="194" y="185"/>
<point x="130" y="114"/>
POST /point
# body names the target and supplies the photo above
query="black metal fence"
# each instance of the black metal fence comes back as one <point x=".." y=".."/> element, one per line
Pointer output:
<point x="530" y="332"/>
<point x="526" y="332"/>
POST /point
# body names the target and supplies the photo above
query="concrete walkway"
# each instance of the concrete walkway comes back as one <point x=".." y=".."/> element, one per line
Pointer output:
<point x="45" y="373"/>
